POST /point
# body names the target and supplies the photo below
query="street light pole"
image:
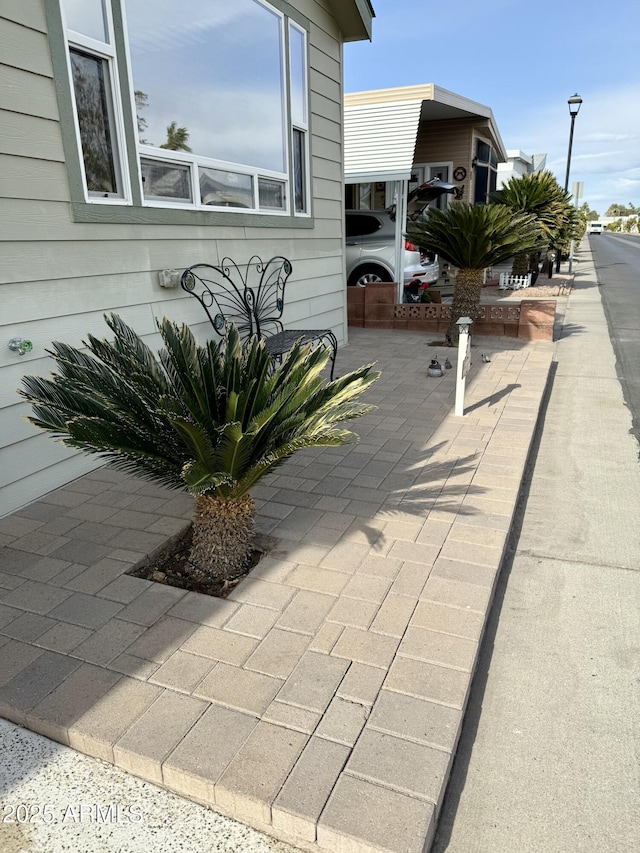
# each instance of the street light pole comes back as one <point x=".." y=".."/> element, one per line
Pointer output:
<point x="574" y="108"/>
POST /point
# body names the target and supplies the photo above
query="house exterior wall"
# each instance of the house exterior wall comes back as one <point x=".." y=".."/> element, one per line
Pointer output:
<point x="58" y="276"/>
<point x="452" y="141"/>
<point x="517" y="165"/>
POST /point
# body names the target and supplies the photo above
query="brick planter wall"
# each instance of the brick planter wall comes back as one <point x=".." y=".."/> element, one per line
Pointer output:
<point x="374" y="307"/>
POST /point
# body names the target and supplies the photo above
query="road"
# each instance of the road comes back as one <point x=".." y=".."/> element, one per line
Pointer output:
<point x="617" y="262"/>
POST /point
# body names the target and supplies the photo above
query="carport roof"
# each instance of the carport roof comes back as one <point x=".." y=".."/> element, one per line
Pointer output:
<point x="381" y="128"/>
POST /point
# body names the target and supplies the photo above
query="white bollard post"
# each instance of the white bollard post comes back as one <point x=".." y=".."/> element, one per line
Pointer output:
<point x="464" y="361"/>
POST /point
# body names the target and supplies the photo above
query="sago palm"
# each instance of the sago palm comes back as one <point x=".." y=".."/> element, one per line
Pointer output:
<point x="473" y="237"/>
<point x="540" y="194"/>
<point x="208" y="420"/>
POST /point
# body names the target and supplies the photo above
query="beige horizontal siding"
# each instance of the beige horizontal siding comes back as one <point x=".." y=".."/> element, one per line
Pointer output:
<point x="22" y="92"/>
<point x="14" y="425"/>
<point x="28" y="488"/>
<point x="29" y="13"/>
<point x="29" y="136"/>
<point x="23" y="47"/>
<point x="26" y="177"/>
<point x="444" y="141"/>
<point x="324" y="128"/>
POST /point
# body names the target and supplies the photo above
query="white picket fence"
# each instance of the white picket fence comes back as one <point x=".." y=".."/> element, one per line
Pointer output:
<point x="514" y="282"/>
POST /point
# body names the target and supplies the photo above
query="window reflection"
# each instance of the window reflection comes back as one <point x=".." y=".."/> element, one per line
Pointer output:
<point x="90" y="86"/>
<point x="86" y="17"/>
<point x="271" y="194"/>
<point x="483" y="151"/>
<point x="298" y="71"/>
<point x="299" y="177"/>
<point x="225" y="189"/>
<point x="215" y="69"/>
<point x="166" y="180"/>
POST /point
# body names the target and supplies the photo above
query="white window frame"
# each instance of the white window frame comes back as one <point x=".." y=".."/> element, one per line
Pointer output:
<point x="483" y="163"/>
<point x="122" y="153"/>
<point x="162" y="155"/>
<point x="104" y="51"/>
<point x="443" y="201"/>
<point x="302" y="126"/>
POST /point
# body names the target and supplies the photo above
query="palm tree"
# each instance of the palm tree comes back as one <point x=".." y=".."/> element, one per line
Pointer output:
<point x="177" y="138"/>
<point x="473" y="237"/>
<point x="540" y="194"/>
<point x="210" y="421"/>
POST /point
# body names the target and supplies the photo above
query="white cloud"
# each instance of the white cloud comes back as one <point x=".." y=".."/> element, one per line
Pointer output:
<point x="608" y="137"/>
<point x="154" y="26"/>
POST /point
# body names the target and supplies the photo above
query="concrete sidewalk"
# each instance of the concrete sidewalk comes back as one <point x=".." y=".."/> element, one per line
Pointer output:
<point x="323" y="700"/>
<point x="549" y="756"/>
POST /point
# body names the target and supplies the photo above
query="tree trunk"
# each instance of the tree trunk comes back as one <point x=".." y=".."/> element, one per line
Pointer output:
<point x="466" y="300"/>
<point x="520" y="265"/>
<point x="222" y="532"/>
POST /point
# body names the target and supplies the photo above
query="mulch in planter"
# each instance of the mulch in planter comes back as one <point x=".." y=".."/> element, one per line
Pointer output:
<point x="171" y="566"/>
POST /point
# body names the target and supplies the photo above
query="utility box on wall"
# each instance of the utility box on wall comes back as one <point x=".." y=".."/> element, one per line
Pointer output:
<point x="168" y="278"/>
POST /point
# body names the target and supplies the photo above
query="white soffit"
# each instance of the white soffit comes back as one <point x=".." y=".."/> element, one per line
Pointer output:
<point x="380" y="140"/>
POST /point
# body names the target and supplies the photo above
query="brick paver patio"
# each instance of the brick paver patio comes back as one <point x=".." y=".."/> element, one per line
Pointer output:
<point x="323" y="700"/>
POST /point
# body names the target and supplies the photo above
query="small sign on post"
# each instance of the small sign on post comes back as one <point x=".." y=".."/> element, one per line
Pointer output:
<point x="464" y="361"/>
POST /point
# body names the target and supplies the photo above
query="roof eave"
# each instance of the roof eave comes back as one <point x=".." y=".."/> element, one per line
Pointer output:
<point x="429" y="92"/>
<point x="354" y="17"/>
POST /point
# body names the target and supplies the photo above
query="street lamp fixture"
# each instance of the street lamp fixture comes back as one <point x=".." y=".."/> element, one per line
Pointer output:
<point x="574" y="108"/>
<point x="574" y="104"/>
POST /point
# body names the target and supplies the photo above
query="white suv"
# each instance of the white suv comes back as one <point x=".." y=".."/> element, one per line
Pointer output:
<point x="371" y="241"/>
<point x="371" y="252"/>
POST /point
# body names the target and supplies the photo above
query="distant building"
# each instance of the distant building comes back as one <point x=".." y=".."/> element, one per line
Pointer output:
<point x="518" y="163"/>
<point x="412" y="134"/>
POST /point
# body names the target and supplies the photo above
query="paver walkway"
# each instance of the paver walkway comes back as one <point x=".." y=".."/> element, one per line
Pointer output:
<point x="323" y="700"/>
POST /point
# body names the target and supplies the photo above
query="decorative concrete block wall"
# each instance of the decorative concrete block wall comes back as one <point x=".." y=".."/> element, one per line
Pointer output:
<point x="374" y="307"/>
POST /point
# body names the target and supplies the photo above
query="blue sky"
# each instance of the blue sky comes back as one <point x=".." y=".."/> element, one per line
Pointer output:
<point x="524" y="59"/>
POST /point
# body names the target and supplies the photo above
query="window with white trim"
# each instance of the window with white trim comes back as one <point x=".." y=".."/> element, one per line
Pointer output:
<point x="299" y="117"/>
<point x="441" y="172"/>
<point x="93" y="71"/>
<point x="486" y="172"/>
<point x="221" y="103"/>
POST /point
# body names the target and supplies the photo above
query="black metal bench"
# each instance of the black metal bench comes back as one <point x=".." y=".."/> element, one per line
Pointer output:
<point x="252" y="298"/>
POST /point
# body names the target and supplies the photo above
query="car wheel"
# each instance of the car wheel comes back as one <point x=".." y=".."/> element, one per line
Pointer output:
<point x="368" y="274"/>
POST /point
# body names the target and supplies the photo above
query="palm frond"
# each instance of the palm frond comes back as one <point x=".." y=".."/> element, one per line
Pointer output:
<point x="539" y="194"/>
<point x="476" y="236"/>
<point x="199" y="479"/>
<point x="273" y="460"/>
<point x="206" y="419"/>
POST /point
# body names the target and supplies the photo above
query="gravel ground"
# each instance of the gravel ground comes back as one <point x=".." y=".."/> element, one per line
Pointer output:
<point x="54" y="800"/>
<point x="558" y="287"/>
